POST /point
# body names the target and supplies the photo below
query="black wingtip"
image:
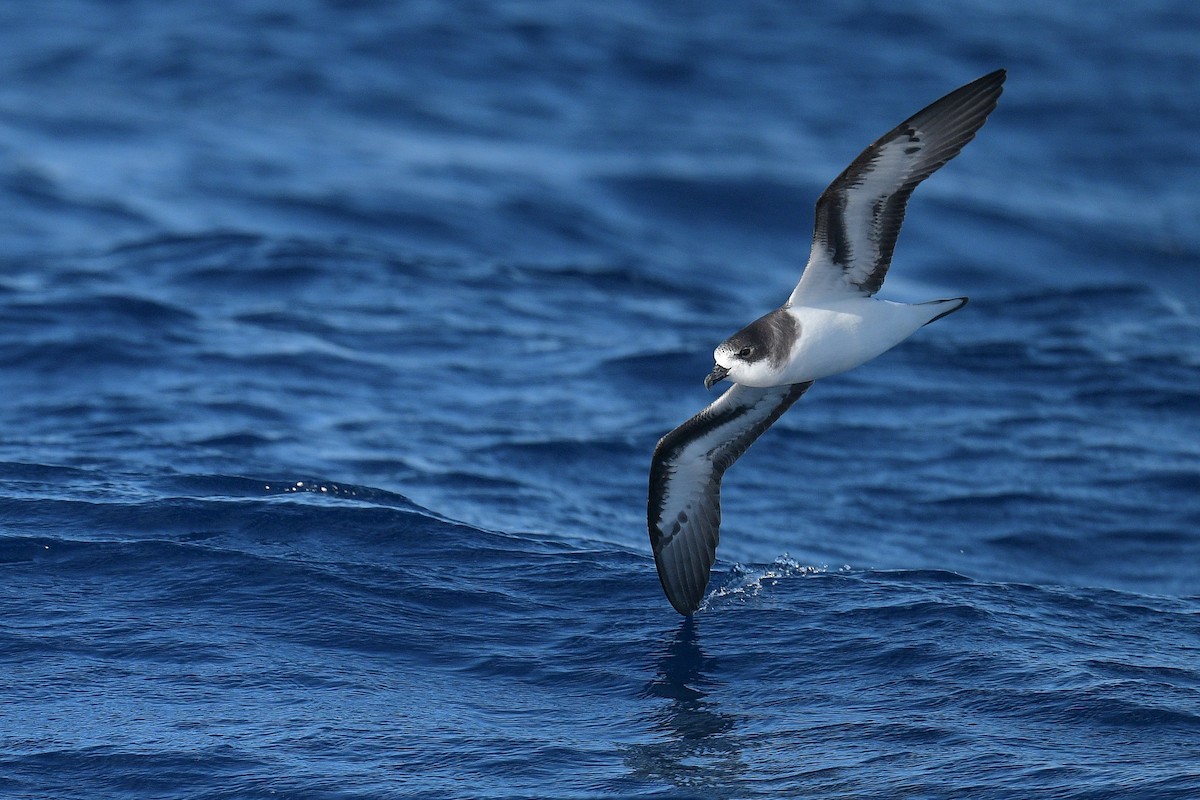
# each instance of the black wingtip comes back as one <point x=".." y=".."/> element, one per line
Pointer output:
<point x="684" y="610"/>
<point x="994" y="78"/>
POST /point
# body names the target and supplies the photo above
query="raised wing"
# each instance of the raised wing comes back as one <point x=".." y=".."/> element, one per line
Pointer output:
<point x="859" y="215"/>
<point x="684" y="509"/>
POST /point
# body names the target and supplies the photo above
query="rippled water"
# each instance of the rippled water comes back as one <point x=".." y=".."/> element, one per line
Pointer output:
<point x="335" y="340"/>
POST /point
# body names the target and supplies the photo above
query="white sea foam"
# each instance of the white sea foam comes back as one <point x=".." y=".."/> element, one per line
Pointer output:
<point x="744" y="582"/>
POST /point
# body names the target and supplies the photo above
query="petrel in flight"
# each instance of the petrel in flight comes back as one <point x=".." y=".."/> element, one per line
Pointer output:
<point x="831" y="323"/>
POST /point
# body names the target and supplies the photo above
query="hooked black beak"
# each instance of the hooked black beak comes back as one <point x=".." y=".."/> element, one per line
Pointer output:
<point x="716" y="376"/>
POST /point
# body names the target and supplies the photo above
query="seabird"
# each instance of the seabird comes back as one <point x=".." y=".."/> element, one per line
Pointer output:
<point x="831" y="323"/>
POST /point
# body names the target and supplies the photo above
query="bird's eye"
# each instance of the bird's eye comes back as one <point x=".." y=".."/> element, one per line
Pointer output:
<point x="745" y="352"/>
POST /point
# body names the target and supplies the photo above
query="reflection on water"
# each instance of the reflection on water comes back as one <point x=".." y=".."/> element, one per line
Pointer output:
<point x="694" y="744"/>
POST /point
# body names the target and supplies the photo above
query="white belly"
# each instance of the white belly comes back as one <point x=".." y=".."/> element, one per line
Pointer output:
<point x="840" y="337"/>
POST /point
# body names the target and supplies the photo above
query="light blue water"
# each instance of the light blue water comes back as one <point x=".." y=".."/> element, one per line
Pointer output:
<point x="335" y="340"/>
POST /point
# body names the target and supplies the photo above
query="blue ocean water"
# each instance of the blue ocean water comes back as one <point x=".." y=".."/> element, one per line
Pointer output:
<point x="335" y="339"/>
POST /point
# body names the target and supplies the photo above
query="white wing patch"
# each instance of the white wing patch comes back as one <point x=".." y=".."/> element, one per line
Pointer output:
<point x="862" y="218"/>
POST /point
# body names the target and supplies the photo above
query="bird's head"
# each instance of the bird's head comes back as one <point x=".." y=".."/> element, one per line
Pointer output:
<point x="754" y="355"/>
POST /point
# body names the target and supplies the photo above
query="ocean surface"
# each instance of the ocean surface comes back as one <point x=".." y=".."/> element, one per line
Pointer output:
<point x="335" y="338"/>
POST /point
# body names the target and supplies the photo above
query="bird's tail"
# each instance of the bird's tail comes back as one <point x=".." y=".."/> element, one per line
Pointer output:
<point x="940" y="308"/>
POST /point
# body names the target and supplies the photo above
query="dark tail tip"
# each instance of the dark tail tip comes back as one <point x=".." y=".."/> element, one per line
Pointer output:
<point x="958" y="301"/>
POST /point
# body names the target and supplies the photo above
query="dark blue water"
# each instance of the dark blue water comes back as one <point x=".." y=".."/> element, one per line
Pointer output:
<point x="335" y="339"/>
